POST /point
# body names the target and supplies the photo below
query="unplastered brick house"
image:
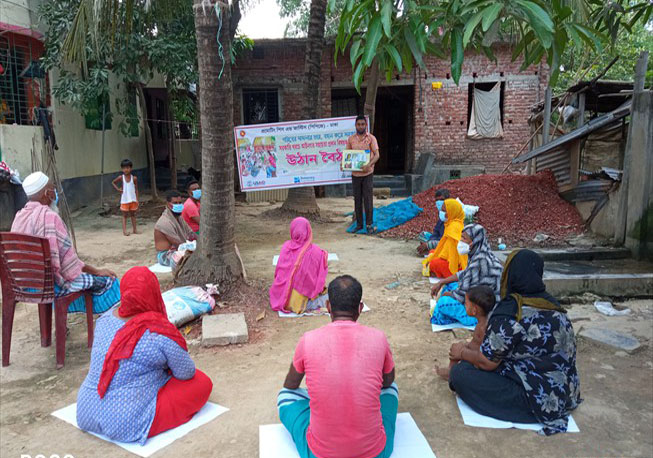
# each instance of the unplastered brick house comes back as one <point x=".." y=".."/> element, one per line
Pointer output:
<point x="413" y="115"/>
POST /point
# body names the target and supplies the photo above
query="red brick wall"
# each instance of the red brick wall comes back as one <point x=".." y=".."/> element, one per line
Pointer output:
<point x="440" y="117"/>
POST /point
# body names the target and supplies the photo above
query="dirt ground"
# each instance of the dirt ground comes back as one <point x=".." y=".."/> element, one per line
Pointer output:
<point x="616" y="417"/>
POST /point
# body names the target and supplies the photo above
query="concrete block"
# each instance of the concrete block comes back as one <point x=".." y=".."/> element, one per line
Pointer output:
<point x="611" y="338"/>
<point x="224" y="329"/>
<point x="381" y="192"/>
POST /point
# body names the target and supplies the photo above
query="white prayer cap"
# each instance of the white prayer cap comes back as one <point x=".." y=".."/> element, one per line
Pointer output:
<point x="35" y="182"/>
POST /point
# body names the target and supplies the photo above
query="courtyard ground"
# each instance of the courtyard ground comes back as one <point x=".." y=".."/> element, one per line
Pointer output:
<point x="616" y="417"/>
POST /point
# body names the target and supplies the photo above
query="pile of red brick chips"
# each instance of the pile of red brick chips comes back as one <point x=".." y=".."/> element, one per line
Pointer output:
<point x="513" y="207"/>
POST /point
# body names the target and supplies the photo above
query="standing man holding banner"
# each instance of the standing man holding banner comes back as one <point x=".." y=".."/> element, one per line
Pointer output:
<point x="363" y="181"/>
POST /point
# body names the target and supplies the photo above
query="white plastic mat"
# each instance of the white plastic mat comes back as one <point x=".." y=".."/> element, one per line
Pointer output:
<point x="275" y="441"/>
<point x="209" y="412"/>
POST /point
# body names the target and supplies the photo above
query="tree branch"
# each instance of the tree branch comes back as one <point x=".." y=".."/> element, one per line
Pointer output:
<point x="235" y="18"/>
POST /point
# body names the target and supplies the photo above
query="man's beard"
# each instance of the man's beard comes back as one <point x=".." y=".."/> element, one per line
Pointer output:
<point x="361" y="132"/>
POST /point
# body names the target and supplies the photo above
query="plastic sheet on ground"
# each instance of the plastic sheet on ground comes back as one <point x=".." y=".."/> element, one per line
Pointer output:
<point x="389" y="216"/>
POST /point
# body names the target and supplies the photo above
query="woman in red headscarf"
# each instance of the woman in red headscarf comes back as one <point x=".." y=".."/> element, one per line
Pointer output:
<point x="141" y="380"/>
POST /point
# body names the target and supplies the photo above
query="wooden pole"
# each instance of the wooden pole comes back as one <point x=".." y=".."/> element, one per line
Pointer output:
<point x="547" y="116"/>
<point x="622" y="212"/>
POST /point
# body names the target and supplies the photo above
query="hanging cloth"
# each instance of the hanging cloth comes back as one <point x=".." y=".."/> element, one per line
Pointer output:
<point x="485" y="120"/>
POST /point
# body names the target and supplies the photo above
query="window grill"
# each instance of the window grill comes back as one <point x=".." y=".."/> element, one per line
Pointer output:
<point x="22" y="81"/>
<point x="260" y="106"/>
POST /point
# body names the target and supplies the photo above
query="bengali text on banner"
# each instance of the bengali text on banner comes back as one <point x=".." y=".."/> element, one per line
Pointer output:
<point x="292" y="154"/>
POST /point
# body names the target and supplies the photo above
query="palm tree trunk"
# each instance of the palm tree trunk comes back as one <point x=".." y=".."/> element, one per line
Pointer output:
<point x="216" y="259"/>
<point x="148" y="141"/>
<point x="370" y="93"/>
<point x="302" y="200"/>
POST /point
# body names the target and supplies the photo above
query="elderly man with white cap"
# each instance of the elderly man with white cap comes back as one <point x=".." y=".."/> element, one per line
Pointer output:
<point x="40" y="218"/>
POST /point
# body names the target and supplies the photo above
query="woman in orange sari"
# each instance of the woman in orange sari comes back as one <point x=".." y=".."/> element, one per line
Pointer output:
<point x="445" y="261"/>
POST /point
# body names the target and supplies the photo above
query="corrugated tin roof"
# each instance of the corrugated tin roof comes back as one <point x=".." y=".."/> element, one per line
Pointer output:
<point x="592" y="126"/>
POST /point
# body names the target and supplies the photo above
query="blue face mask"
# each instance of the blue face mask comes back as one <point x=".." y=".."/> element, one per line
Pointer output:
<point x="439" y="204"/>
<point x="197" y="193"/>
<point x="443" y="216"/>
<point x="177" y="208"/>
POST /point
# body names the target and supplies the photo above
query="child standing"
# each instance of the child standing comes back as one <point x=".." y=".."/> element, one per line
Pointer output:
<point x="479" y="302"/>
<point x="129" y="198"/>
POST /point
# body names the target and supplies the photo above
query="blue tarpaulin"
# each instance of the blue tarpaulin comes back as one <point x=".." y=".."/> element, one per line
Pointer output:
<point x="391" y="216"/>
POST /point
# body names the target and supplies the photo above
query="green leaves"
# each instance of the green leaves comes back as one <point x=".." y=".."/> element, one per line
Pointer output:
<point x="400" y="36"/>
<point x="373" y="37"/>
<point x="386" y="17"/>
<point x="457" y="54"/>
<point x="539" y="20"/>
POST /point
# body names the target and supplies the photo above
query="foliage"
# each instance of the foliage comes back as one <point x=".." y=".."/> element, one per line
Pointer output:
<point x="577" y="62"/>
<point x="149" y="41"/>
<point x="398" y="33"/>
<point x="299" y="12"/>
<point x="239" y="45"/>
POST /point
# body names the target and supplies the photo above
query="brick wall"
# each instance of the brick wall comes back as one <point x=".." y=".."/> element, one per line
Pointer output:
<point x="439" y="117"/>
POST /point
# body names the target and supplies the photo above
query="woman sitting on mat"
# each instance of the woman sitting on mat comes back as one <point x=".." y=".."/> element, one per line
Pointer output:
<point x="525" y="370"/>
<point x="483" y="269"/>
<point x="445" y="261"/>
<point x="141" y="381"/>
<point x="300" y="276"/>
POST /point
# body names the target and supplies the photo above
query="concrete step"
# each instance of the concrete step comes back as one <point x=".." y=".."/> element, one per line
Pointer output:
<point x="605" y="277"/>
<point x="584" y="254"/>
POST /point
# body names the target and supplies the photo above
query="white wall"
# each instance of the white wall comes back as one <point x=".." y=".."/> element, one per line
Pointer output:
<point x="16" y="143"/>
<point x="80" y="149"/>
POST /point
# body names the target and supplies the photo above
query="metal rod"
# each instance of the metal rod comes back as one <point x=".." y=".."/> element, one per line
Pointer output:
<point x="104" y="115"/>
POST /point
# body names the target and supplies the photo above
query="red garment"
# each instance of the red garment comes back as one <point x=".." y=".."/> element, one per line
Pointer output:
<point x="440" y="267"/>
<point x="178" y="400"/>
<point x="140" y="294"/>
<point x="344" y="363"/>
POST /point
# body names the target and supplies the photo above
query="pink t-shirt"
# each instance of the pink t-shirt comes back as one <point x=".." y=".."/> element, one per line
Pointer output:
<point x="191" y="209"/>
<point x="344" y="363"/>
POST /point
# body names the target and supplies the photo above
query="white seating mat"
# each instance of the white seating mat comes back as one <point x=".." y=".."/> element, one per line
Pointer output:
<point x="159" y="269"/>
<point x="275" y="441"/>
<point x="209" y="412"/>
<point x="332" y="257"/>
<point x="315" y="313"/>
<point x="472" y="418"/>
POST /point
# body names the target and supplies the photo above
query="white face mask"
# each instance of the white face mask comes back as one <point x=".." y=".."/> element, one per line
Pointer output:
<point x="463" y="248"/>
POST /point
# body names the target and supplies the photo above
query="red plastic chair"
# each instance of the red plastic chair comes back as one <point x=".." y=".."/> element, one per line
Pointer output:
<point x="26" y="276"/>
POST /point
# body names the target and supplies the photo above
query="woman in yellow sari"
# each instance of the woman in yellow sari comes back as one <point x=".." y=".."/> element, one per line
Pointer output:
<point x="445" y="260"/>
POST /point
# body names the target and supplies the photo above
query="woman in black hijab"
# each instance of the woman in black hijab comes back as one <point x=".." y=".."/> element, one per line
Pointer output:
<point x="525" y="370"/>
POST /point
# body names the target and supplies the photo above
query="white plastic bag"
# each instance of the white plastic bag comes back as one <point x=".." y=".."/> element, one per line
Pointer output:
<point x="470" y="210"/>
<point x="186" y="303"/>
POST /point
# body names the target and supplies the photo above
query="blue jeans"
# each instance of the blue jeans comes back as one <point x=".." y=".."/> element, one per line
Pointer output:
<point x="295" y="414"/>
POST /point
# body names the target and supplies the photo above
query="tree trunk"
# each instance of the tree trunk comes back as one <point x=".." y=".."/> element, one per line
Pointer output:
<point x="148" y="141"/>
<point x="302" y="200"/>
<point x="216" y="259"/>
<point x="172" y="156"/>
<point x="370" y="93"/>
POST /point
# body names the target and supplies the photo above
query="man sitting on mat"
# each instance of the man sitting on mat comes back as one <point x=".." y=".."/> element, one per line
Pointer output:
<point x="40" y="218"/>
<point x="350" y="408"/>
<point x="171" y="231"/>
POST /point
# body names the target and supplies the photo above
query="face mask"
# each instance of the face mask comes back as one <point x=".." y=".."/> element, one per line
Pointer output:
<point x="197" y="193"/>
<point x="53" y="204"/>
<point x="443" y="216"/>
<point x="439" y="204"/>
<point x="177" y="208"/>
<point x="463" y="248"/>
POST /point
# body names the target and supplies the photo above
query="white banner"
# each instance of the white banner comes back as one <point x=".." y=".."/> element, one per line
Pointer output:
<point x="292" y="154"/>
